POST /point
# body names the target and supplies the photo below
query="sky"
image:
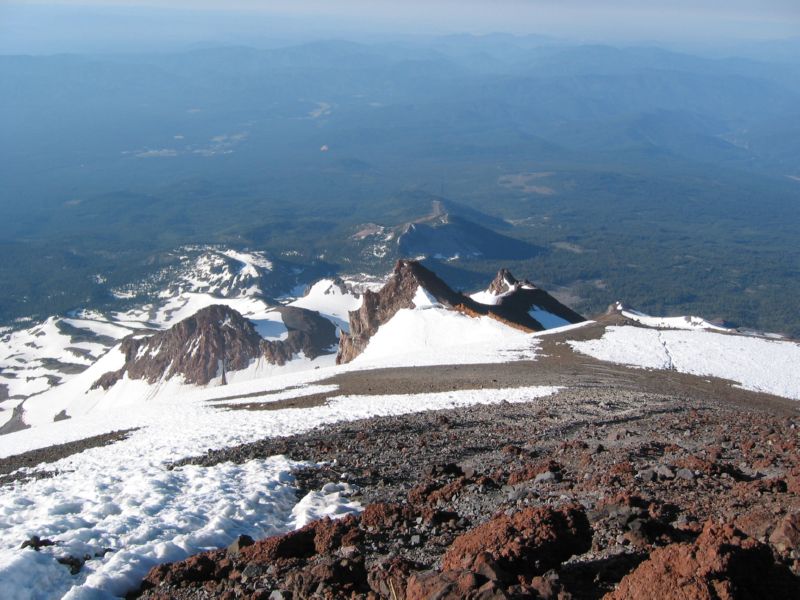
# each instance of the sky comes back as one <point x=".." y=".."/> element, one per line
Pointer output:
<point x="65" y="25"/>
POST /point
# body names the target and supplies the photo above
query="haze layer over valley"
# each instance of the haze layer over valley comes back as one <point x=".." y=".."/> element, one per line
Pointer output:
<point x="660" y="173"/>
<point x="363" y="300"/>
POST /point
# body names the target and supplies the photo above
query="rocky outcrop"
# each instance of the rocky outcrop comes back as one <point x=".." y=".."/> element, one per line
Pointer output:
<point x="216" y="340"/>
<point x="327" y="559"/>
<point x="398" y="293"/>
<point x="502" y="283"/>
<point x="198" y="348"/>
<point x="309" y="333"/>
<point x="523" y="302"/>
<point x="528" y="542"/>
<point x="514" y="304"/>
<point x="722" y="564"/>
<point x="320" y="560"/>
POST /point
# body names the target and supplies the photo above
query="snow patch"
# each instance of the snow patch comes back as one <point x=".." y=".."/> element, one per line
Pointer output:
<point x="331" y="301"/>
<point x="756" y="364"/>
<point x="685" y="322"/>
<point x="423" y="299"/>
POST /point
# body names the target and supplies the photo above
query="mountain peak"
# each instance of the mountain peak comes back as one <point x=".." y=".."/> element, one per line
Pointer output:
<point x="216" y="340"/>
<point x="199" y="348"/>
<point x="517" y="304"/>
<point x="504" y="282"/>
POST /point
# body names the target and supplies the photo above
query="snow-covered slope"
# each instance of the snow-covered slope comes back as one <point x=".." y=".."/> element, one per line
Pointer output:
<point x="755" y="363"/>
<point x="683" y="322"/>
<point x="35" y="359"/>
<point x="430" y="334"/>
<point x="44" y="366"/>
<point x="333" y="299"/>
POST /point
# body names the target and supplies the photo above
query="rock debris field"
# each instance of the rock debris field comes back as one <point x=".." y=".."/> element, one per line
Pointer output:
<point x="594" y="492"/>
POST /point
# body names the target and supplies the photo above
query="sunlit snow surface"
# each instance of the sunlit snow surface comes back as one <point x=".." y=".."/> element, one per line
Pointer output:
<point x="756" y="364"/>
<point x="687" y="322"/>
<point x="122" y="497"/>
<point x="330" y="300"/>
<point x="431" y="335"/>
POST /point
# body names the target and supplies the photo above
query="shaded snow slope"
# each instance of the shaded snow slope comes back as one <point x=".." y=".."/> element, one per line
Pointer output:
<point x="547" y="319"/>
<point x="755" y="363"/>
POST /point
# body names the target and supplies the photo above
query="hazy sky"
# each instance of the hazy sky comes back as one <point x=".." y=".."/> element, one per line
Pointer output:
<point x="104" y="22"/>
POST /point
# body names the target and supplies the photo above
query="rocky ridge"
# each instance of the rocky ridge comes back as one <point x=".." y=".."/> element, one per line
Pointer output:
<point x="448" y="232"/>
<point x="215" y="340"/>
<point x="513" y="306"/>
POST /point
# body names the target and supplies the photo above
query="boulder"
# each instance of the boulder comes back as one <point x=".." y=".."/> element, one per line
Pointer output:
<point x="529" y="542"/>
<point x="722" y="564"/>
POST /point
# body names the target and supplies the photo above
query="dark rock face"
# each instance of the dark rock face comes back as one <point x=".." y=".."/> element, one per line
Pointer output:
<point x="309" y="333"/>
<point x="503" y="282"/>
<point x="201" y="347"/>
<point x="215" y="340"/>
<point x="516" y="299"/>
<point x="513" y="308"/>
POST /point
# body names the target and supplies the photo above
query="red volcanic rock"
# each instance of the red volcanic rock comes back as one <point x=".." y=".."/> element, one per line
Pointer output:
<point x="198" y="568"/>
<point x="330" y="535"/>
<point x="527" y="543"/>
<point x="389" y="578"/>
<point x="385" y="515"/>
<point x="786" y="536"/>
<point x="450" y="585"/>
<point x="722" y="564"/>
<point x="530" y="472"/>
<point x="319" y="537"/>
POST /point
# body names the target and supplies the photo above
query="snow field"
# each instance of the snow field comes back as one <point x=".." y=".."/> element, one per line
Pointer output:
<point x="122" y="497"/>
<point x="431" y="335"/>
<point x="687" y="322"/>
<point x="756" y="364"/>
